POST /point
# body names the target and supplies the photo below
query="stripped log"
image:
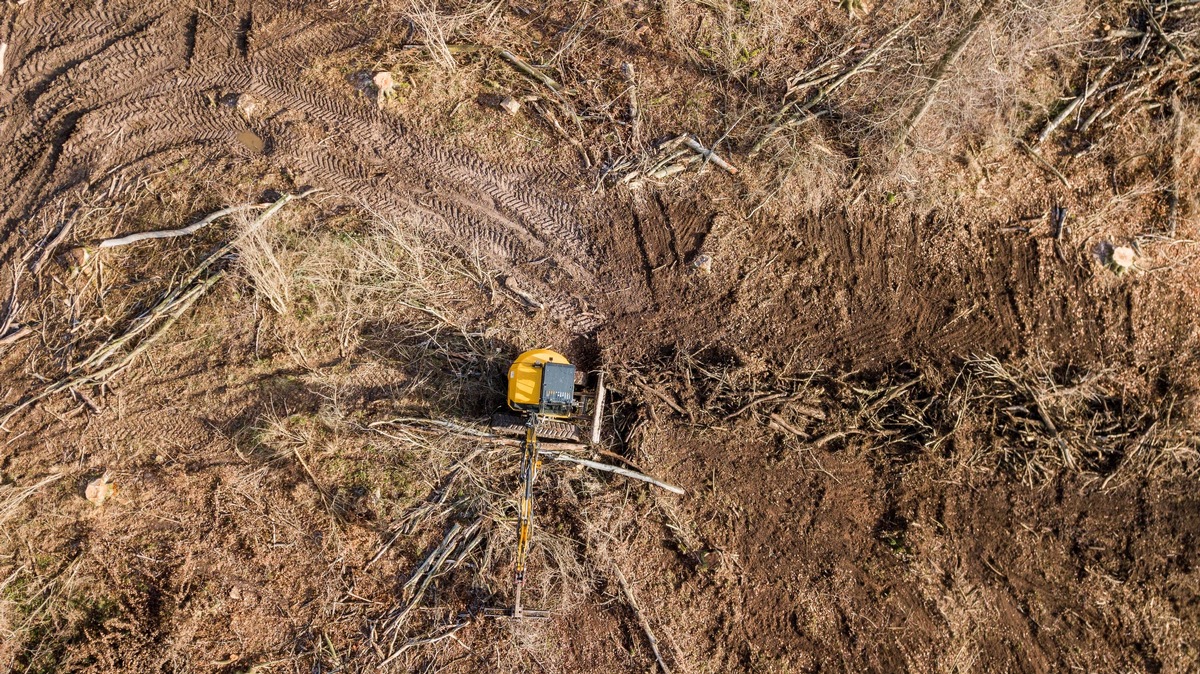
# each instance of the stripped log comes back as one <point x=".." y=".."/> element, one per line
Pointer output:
<point x="595" y="465"/>
<point x="1074" y="105"/>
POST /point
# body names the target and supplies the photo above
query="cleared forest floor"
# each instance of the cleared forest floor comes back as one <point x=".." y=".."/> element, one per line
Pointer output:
<point x="903" y="295"/>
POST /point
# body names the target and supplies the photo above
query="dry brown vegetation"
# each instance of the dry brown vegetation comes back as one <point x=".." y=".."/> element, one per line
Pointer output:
<point x="922" y="425"/>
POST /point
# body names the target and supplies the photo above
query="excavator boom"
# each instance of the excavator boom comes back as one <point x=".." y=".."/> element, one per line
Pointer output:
<point x="541" y="388"/>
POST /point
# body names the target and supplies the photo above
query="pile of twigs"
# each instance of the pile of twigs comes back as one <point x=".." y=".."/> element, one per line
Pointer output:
<point x="1157" y="56"/>
<point x="1030" y="420"/>
<point x="808" y="93"/>
<point x="119" y="350"/>
<point x="472" y="506"/>
<point x="668" y="158"/>
<point x="709" y="391"/>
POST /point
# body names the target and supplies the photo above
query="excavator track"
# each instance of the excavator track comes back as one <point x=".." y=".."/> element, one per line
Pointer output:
<point x="548" y="429"/>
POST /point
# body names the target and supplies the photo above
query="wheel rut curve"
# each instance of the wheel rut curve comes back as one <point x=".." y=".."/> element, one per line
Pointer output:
<point x="88" y="94"/>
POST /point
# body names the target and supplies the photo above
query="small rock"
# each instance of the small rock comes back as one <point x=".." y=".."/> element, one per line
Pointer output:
<point x="247" y="105"/>
<point x="510" y="105"/>
<point x="386" y="84"/>
<point x="703" y="262"/>
<point x="385" y="81"/>
<point x="100" y="490"/>
<point x="235" y="593"/>
<point x="1122" y="258"/>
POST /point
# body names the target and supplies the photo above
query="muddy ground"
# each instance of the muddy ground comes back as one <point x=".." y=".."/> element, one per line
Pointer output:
<point x="921" y="424"/>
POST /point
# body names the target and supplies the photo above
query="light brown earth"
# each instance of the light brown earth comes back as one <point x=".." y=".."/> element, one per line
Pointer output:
<point x="917" y="430"/>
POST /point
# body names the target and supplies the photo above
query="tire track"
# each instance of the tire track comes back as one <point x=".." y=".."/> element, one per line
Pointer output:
<point x="105" y="90"/>
<point x="44" y="131"/>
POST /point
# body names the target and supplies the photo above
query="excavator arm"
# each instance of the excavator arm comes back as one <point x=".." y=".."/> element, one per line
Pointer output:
<point x="529" y="468"/>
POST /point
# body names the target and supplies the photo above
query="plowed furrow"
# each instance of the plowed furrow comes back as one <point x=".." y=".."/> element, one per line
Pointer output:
<point x="50" y="24"/>
<point x="332" y="172"/>
<point x="331" y="112"/>
<point x="466" y="174"/>
<point x="40" y="181"/>
<point x="47" y="67"/>
<point x="543" y="216"/>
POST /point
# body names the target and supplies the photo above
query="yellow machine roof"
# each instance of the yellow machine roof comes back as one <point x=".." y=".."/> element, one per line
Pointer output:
<point x="525" y="380"/>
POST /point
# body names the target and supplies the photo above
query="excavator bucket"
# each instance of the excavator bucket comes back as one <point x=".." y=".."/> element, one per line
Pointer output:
<point x="526" y="614"/>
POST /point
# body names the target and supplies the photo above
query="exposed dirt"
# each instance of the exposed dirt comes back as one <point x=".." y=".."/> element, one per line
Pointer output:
<point x="917" y="430"/>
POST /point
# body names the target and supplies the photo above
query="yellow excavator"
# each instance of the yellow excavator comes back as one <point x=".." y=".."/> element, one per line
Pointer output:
<point x="547" y="398"/>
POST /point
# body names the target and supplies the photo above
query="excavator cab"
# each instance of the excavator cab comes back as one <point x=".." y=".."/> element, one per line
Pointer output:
<point x="542" y="382"/>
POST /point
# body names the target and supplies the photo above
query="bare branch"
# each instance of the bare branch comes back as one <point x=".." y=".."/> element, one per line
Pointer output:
<point x="614" y="469"/>
<point x="956" y="48"/>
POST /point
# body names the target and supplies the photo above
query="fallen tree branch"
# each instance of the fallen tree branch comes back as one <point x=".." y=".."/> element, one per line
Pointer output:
<point x="611" y="455"/>
<point x="457" y="538"/>
<point x="1074" y="105"/>
<point x="528" y="70"/>
<point x="143" y="321"/>
<point x="1044" y="416"/>
<point x="809" y="77"/>
<point x="709" y="155"/>
<point x="452" y="48"/>
<point x="668" y="159"/>
<point x="641" y="617"/>
<point x="20" y="332"/>
<point x="444" y="634"/>
<point x="575" y="143"/>
<point x="558" y="91"/>
<point x="1156" y="74"/>
<point x="634" y="113"/>
<point x="756" y="401"/>
<point x="1176" y="152"/>
<point x="528" y="300"/>
<point x="1041" y="161"/>
<point x="10" y="310"/>
<point x="613" y="469"/>
<point x="836" y="435"/>
<point x="666" y="399"/>
<point x="953" y="51"/>
<point x="270" y="210"/>
<point x="1159" y="30"/>
<point x="459" y="429"/>
<point x="777" y="422"/>
<point x="182" y="231"/>
<point x="48" y="248"/>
